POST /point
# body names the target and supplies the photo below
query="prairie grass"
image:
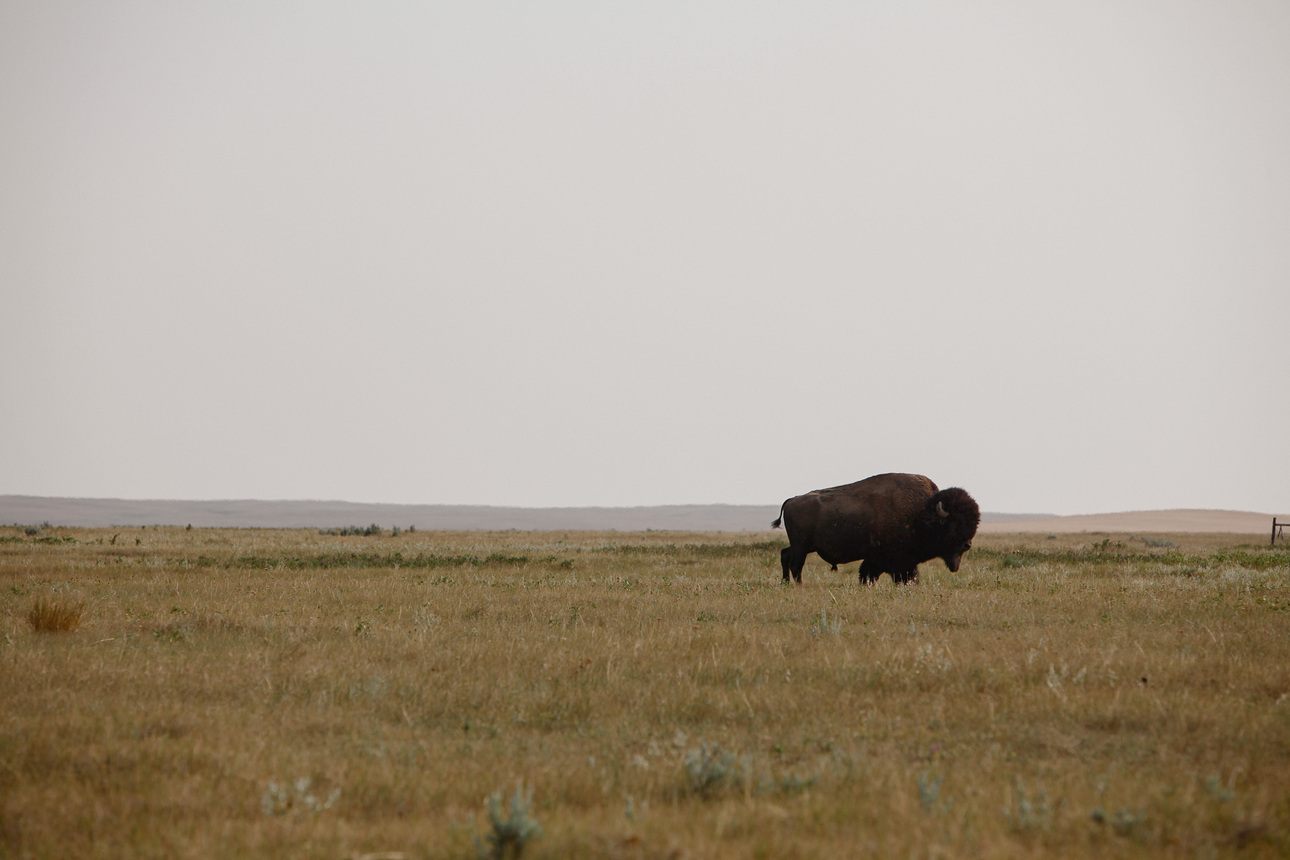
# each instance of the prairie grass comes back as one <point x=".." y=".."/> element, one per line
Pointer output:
<point x="54" y="616"/>
<point x="262" y="693"/>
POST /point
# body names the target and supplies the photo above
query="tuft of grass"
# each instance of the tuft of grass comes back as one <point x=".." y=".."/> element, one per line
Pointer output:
<point x="821" y="625"/>
<point x="1027" y="813"/>
<point x="54" y="616"/>
<point x="929" y="791"/>
<point x="710" y="769"/>
<point x="1124" y="821"/>
<point x="1158" y="543"/>
<point x="280" y="798"/>
<point x="363" y="531"/>
<point x="510" y="835"/>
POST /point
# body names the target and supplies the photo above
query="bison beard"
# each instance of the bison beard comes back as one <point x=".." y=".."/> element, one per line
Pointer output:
<point x="892" y="522"/>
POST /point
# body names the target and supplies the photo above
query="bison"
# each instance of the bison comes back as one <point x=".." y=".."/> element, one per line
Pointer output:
<point x="894" y="522"/>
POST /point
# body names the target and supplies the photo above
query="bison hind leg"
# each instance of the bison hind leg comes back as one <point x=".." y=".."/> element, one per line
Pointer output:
<point x="792" y="560"/>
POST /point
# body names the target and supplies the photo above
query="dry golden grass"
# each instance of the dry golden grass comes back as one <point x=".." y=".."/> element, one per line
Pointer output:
<point x="53" y="616"/>
<point x="271" y="693"/>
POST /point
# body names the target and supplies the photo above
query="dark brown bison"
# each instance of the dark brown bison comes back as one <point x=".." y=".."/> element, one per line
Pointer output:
<point x="893" y="522"/>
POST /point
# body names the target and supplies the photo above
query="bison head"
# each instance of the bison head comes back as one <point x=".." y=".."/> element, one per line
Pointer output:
<point x="951" y="520"/>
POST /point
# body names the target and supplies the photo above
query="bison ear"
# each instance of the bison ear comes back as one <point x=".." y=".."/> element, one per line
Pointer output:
<point x="940" y="510"/>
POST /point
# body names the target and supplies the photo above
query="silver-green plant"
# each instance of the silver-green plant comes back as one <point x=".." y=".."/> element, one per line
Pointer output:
<point x="1124" y="821"/>
<point x="509" y="836"/>
<point x="424" y="619"/>
<point x="793" y="783"/>
<point x="1027" y="814"/>
<point x="1215" y="789"/>
<point x="929" y="791"/>
<point x="822" y="626"/>
<point x="279" y="798"/>
<point x="709" y="769"/>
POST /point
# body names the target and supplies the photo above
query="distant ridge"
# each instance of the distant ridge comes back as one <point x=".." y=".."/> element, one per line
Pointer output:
<point x="1179" y="520"/>
<point x="92" y="513"/>
<point x="249" y="513"/>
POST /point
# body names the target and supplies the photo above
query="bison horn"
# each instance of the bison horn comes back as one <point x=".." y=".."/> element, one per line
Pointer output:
<point x="940" y="510"/>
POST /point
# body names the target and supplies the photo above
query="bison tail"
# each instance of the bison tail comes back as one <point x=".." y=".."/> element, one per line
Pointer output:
<point x="779" y="519"/>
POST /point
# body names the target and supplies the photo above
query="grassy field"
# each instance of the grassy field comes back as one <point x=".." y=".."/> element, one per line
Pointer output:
<point x="637" y="695"/>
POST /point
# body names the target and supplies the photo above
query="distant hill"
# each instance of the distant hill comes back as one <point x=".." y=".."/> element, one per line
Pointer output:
<point x="33" y="510"/>
<point x="29" y="510"/>
<point x="1183" y="520"/>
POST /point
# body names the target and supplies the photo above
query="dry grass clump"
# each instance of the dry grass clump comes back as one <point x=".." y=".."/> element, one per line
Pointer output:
<point x="54" y="616"/>
<point x="267" y="693"/>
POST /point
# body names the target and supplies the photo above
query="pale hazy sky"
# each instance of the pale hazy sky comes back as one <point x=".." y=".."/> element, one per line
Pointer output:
<point x="531" y="253"/>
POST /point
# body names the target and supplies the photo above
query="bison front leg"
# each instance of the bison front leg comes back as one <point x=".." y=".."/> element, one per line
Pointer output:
<point x="906" y="576"/>
<point x="869" y="572"/>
